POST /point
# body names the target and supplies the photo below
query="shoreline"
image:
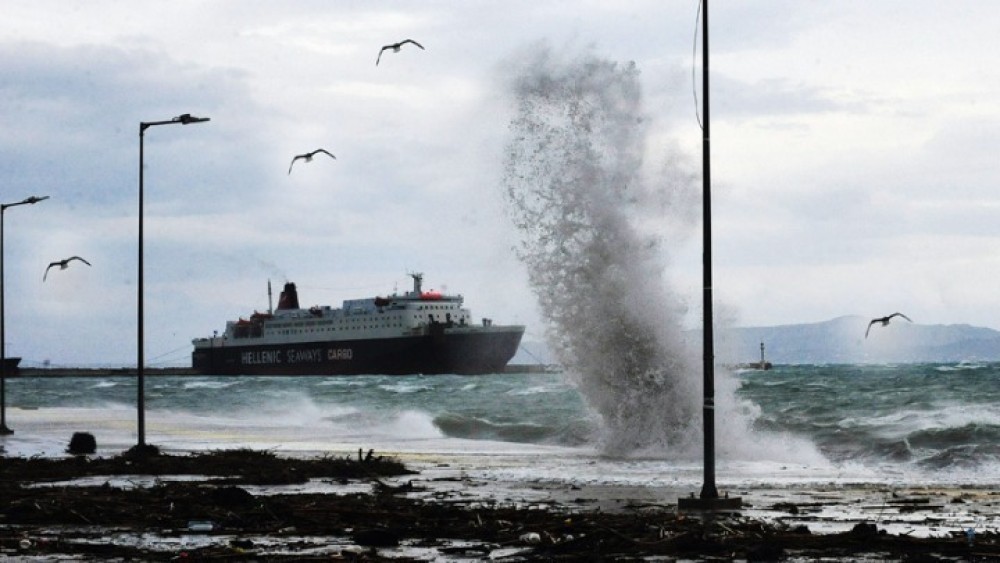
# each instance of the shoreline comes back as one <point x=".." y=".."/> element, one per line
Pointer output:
<point x="253" y="504"/>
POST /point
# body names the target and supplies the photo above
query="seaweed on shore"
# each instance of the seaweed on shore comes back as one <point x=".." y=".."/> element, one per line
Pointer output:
<point x="58" y="519"/>
<point x="240" y="466"/>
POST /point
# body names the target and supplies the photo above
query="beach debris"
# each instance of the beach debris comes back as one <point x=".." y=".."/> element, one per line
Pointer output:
<point x="865" y="530"/>
<point x="242" y="543"/>
<point x="884" y="321"/>
<point x="82" y="443"/>
<point x="232" y="497"/>
<point x="395" y="48"/>
<point x="307" y="157"/>
<point x="63" y="264"/>
<point x="788" y="507"/>
<point x="765" y="552"/>
<point x="531" y="537"/>
<point x="141" y="452"/>
<point x="495" y="530"/>
<point x="376" y="537"/>
<point x="200" y="526"/>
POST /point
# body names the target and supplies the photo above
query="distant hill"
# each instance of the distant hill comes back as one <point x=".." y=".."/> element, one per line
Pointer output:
<point x="842" y="340"/>
<point x="837" y="341"/>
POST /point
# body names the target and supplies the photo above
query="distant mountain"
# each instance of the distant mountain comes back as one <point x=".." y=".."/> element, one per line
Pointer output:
<point x="837" y="341"/>
<point x="842" y="340"/>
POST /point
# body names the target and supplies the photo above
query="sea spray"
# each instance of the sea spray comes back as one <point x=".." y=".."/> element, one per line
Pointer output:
<point x="587" y="218"/>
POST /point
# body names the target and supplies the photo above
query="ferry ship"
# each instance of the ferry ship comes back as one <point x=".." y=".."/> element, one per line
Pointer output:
<point x="418" y="332"/>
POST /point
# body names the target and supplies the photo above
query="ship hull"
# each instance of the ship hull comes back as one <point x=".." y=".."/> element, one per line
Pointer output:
<point x="459" y="351"/>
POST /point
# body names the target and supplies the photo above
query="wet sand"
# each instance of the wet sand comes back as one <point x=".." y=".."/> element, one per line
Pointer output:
<point x="242" y="504"/>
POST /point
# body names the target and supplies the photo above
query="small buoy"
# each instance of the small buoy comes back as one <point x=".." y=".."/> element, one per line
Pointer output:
<point x="24" y="543"/>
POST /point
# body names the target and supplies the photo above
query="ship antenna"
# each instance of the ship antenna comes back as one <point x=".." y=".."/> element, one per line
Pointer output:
<point x="270" y="306"/>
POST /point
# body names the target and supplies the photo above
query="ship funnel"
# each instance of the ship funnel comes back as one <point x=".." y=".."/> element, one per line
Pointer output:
<point x="417" y="279"/>
<point x="289" y="297"/>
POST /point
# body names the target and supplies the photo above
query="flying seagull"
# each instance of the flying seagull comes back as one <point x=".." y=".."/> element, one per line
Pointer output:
<point x="885" y="321"/>
<point x="63" y="264"/>
<point x="308" y="157"/>
<point x="395" y="48"/>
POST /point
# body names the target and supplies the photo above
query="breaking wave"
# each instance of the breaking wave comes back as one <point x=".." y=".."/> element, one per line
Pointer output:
<point x="590" y="221"/>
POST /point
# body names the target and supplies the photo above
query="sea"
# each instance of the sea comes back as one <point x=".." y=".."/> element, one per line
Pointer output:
<point x="799" y="424"/>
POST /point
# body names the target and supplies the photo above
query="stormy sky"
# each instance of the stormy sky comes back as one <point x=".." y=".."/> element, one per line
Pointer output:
<point x="854" y="158"/>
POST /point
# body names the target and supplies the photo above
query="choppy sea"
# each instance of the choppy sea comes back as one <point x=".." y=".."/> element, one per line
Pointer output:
<point x="914" y="423"/>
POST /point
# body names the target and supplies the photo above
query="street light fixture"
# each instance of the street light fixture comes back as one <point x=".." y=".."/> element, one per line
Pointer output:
<point x="182" y="119"/>
<point x="3" y="342"/>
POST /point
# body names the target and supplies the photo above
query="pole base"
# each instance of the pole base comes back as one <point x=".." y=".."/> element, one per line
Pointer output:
<point x="724" y="504"/>
<point x="4" y="431"/>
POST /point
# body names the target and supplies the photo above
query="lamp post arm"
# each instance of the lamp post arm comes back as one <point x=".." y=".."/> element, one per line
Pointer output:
<point x="183" y="119"/>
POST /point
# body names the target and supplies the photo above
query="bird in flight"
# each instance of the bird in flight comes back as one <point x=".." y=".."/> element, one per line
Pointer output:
<point x="885" y="321"/>
<point x="308" y="157"/>
<point x="395" y="48"/>
<point x="63" y="264"/>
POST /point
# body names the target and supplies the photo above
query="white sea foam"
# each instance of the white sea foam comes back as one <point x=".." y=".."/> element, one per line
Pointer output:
<point x="210" y="384"/>
<point x="404" y="387"/>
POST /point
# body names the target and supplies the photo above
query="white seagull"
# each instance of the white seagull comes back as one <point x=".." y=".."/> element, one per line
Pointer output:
<point x="63" y="264"/>
<point x="308" y="157"/>
<point x="395" y="48"/>
<point x="885" y="321"/>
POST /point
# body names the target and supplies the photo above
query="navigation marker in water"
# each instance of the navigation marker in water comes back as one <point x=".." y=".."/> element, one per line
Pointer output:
<point x="395" y="48"/>
<point x="63" y="264"/>
<point x="885" y="321"/>
<point x="308" y="157"/>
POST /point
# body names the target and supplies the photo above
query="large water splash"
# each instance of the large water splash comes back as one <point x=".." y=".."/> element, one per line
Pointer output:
<point x="592" y="239"/>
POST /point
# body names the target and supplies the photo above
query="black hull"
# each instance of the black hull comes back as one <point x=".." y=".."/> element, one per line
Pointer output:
<point x="461" y="353"/>
<point x="10" y="365"/>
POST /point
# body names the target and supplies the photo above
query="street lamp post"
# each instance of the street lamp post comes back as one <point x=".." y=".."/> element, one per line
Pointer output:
<point x="4" y="430"/>
<point x="140" y="365"/>
<point x="709" y="498"/>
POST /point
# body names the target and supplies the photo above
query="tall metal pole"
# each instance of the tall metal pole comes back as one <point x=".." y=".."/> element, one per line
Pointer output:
<point x="140" y="354"/>
<point x="708" y="489"/>
<point x="709" y="499"/>
<point x="4" y="430"/>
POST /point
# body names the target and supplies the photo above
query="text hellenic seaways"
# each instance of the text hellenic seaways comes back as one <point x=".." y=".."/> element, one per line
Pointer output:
<point x="310" y="355"/>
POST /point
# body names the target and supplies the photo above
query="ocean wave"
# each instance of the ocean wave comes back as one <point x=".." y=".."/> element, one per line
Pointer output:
<point x="480" y="428"/>
<point x="962" y="456"/>
<point x="537" y="389"/>
<point x="405" y="387"/>
<point x="961" y="366"/>
<point x="210" y="384"/>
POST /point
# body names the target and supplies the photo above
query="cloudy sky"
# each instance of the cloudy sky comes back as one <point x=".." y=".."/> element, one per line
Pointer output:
<point x="853" y="158"/>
